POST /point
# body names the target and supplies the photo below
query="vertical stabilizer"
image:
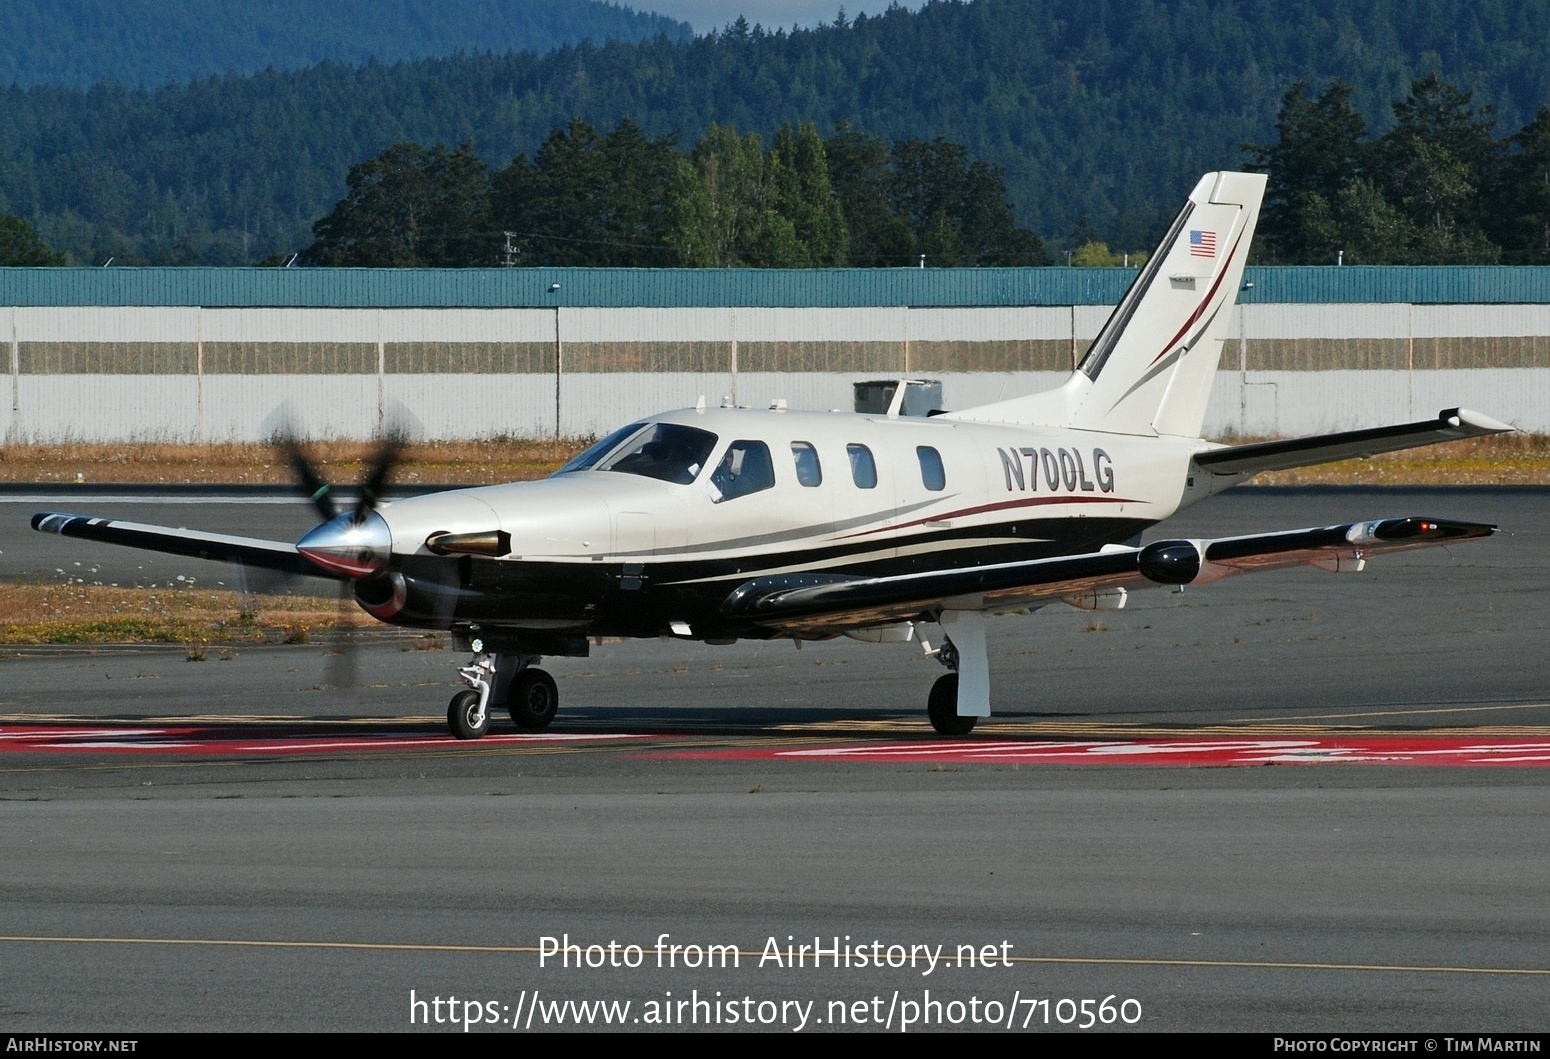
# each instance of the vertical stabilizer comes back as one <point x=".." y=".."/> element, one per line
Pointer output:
<point x="1151" y="367"/>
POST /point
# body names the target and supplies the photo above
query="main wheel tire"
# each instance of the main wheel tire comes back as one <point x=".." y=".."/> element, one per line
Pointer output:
<point x="460" y="716"/>
<point x="534" y="699"/>
<point x="942" y="708"/>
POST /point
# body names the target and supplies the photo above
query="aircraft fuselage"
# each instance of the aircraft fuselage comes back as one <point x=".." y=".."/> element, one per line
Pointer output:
<point x="609" y="551"/>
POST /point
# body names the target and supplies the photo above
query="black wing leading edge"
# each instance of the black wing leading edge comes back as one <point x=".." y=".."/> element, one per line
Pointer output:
<point x="812" y="603"/>
<point x="261" y="554"/>
<point x="1451" y="424"/>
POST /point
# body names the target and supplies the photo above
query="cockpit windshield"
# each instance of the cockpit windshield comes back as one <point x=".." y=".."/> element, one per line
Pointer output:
<point x="584" y="460"/>
<point x="664" y="451"/>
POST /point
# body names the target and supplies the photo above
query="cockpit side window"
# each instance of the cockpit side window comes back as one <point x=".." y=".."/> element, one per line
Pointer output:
<point x="809" y="469"/>
<point x="746" y="468"/>
<point x="863" y="468"/>
<point x="664" y="451"/>
<point x="932" y="474"/>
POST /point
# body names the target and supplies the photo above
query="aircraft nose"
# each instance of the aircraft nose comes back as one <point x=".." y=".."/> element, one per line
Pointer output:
<point x="347" y="547"/>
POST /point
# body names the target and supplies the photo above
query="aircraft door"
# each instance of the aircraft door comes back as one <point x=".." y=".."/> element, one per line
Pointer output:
<point x="767" y="495"/>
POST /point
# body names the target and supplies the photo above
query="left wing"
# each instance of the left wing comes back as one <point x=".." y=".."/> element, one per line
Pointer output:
<point x="820" y="603"/>
<point x="1451" y="424"/>
<point x="250" y="551"/>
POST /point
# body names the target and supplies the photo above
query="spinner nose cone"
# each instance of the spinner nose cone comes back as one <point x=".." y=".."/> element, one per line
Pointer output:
<point x="345" y="547"/>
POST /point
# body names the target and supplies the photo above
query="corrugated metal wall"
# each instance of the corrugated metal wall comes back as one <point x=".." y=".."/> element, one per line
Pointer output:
<point x="538" y="288"/>
<point x="131" y="371"/>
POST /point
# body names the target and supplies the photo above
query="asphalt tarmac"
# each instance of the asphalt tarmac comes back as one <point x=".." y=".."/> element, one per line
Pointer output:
<point x="237" y="844"/>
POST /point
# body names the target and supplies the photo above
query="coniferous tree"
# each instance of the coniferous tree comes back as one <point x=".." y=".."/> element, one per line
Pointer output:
<point x="1415" y="196"/>
<point x="1519" y="204"/>
<point x="862" y="183"/>
<point x="20" y="244"/>
<point x="1434" y="164"/>
<point x="717" y="199"/>
<point x="409" y="207"/>
<point x="1319" y="151"/>
<point x="800" y="191"/>
<point x="736" y="205"/>
<point x="957" y="209"/>
<point x="588" y="199"/>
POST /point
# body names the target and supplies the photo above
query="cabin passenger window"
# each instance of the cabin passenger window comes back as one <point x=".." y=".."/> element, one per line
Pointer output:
<point x="809" y="471"/>
<point x="665" y="451"/>
<point x="746" y="468"/>
<point x="863" y="468"/>
<point x="932" y="474"/>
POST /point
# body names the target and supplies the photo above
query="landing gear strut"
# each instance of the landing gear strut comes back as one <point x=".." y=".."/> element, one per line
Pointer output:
<point x="962" y="697"/>
<point x="501" y="678"/>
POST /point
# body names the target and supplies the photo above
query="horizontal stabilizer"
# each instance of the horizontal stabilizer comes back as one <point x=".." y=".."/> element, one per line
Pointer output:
<point x="261" y="554"/>
<point x="806" y="604"/>
<point x="1450" y="425"/>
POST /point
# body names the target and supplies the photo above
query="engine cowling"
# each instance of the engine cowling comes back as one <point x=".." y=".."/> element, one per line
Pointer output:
<point x="401" y="600"/>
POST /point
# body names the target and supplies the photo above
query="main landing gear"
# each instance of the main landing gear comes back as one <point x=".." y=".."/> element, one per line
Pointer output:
<point x="962" y="697"/>
<point x="942" y="708"/>
<point x="502" y="679"/>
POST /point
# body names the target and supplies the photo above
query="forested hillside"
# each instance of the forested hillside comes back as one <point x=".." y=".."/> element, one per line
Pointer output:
<point x="158" y="42"/>
<point x="1101" y="113"/>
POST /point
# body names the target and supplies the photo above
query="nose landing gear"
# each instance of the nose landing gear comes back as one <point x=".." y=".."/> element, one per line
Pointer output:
<point x="496" y="679"/>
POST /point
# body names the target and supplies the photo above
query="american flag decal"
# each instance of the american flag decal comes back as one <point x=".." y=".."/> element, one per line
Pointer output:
<point x="1202" y="244"/>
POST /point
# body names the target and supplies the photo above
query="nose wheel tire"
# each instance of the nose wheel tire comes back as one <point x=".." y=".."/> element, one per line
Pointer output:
<point x="534" y="699"/>
<point x="462" y="711"/>
<point x="942" y="708"/>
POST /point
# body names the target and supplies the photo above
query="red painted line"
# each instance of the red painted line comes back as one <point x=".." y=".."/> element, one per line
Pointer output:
<point x="1185" y="751"/>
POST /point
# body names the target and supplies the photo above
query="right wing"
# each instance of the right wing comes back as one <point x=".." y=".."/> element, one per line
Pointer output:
<point x="823" y="604"/>
<point x="261" y="554"/>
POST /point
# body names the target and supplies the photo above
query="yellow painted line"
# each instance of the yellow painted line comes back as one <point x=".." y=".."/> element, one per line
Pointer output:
<point x="185" y="719"/>
<point x="245" y="943"/>
<point x="755" y="954"/>
<point x="1276" y="965"/>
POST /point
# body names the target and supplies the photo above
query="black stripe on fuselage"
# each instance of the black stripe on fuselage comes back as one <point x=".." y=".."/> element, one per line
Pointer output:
<point x="593" y="598"/>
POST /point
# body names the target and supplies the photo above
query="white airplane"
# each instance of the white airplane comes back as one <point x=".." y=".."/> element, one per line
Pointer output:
<point x="721" y="524"/>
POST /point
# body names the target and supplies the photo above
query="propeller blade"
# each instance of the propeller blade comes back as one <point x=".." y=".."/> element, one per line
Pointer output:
<point x="341" y="677"/>
<point x="382" y="466"/>
<point x="313" y="487"/>
<point x="446" y="589"/>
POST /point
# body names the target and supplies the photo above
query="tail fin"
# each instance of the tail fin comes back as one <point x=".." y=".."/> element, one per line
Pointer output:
<point x="1150" y="369"/>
